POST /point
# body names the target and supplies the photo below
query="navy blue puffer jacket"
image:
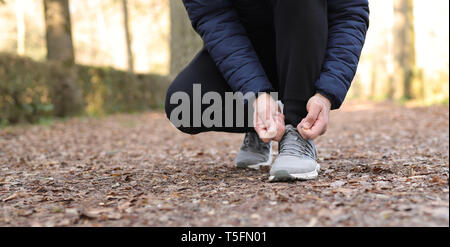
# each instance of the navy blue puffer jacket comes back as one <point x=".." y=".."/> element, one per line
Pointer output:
<point x="225" y="39"/>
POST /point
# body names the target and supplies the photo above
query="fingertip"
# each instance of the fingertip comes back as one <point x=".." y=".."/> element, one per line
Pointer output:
<point x="305" y="135"/>
<point x="266" y="140"/>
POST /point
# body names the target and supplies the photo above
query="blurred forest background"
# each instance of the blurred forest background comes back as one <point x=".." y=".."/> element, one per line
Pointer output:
<point x="63" y="58"/>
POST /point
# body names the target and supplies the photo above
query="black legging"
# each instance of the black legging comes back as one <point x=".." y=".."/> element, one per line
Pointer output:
<point x="290" y="38"/>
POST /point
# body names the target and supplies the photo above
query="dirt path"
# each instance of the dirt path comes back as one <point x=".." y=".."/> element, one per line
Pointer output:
<point x="382" y="166"/>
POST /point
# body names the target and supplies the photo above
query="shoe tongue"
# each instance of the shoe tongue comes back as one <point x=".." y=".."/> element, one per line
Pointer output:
<point x="292" y="135"/>
<point x="291" y="131"/>
<point x="294" y="144"/>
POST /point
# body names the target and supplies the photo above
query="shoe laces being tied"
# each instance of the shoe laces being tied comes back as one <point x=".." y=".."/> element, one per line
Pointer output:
<point x="253" y="142"/>
<point x="294" y="144"/>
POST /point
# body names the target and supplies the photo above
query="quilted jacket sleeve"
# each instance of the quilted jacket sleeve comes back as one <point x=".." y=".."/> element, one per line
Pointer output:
<point x="226" y="40"/>
<point x="348" y="22"/>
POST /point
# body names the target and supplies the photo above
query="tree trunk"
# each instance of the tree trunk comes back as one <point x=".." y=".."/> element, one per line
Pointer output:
<point x="126" y="24"/>
<point x="59" y="32"/>
<point x="67" y="96"/>
<point x="21" y="28"/>
<point x="184" y="42"/>
<point x="404" y="48"/>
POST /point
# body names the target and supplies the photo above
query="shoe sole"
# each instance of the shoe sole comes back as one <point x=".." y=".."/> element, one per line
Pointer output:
<point x="259" y="165"/>
<point x="285" y="176"/>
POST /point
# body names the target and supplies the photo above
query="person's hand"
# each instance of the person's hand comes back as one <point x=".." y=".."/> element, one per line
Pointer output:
<point x="268" y="119"/>
<point x="316" y="122"/>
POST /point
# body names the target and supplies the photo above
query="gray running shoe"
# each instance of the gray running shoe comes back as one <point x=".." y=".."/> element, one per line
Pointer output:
<point x="296" y="160"/>
<point x="254" y="152"/>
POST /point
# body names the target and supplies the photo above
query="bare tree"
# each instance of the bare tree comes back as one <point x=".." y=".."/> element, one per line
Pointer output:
<point x="404" y="48"/>
<point x="67" y="95"/>
<point x="126" y="24"/>
<point x="59" y="31"/>
<point x="184" y="42"/>
<point x="21" y="27"/>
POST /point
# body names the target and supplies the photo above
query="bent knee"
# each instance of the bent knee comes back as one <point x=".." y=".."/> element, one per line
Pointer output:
<point x="176" y="96"/>
<point x="175" y="87"/>
<point x="168" y="108"/>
